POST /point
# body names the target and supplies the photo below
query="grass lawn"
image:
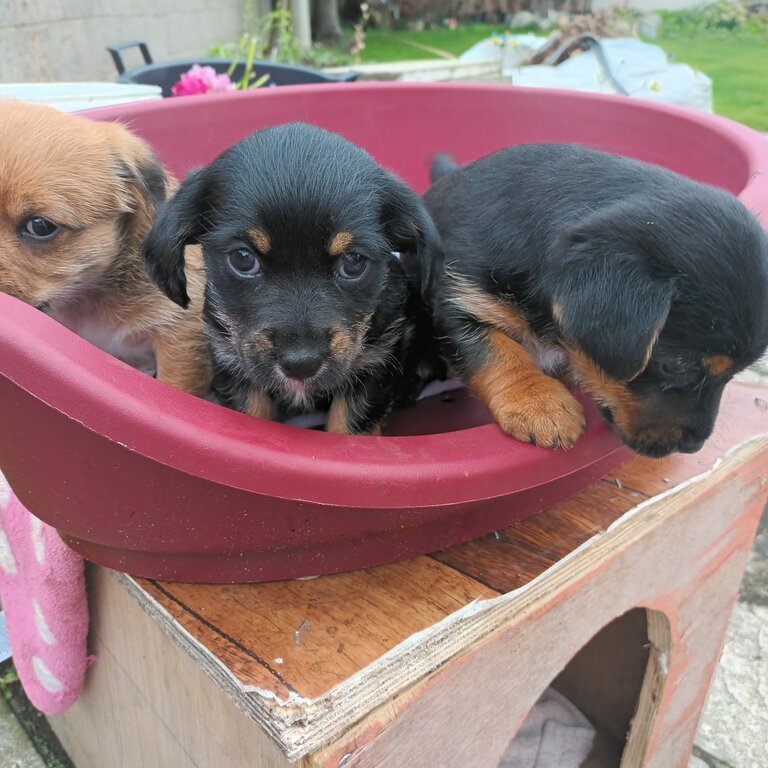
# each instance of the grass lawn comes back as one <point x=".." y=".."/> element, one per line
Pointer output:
<point x="738" y="66"/>
<point x="736" y="60"/>
<point x="389" y="45"/>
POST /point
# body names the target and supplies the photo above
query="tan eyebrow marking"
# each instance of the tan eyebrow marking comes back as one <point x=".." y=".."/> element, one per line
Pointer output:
<point x="260" y="239"/>
<point x="339" y="243"/>
<point x="717" y="364"/>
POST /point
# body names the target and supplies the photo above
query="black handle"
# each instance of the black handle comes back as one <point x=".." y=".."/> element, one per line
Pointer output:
<point x="118" y="59"/>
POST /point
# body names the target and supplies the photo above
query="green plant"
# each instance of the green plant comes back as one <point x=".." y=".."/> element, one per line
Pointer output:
<point x="246" y="50"/>
<point x="8" y="679"/>
<point x="320" y="56"/>
<point x="271" y="38"/>
<point x="726" y="15"/>
<point x="358" y="43"/>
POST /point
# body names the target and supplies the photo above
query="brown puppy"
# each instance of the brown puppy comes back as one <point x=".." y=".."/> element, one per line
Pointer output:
<point x="77" y="198"/>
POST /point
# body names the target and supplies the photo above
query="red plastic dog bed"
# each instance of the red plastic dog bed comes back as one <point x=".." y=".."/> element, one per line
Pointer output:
<point x="146" y="479"/>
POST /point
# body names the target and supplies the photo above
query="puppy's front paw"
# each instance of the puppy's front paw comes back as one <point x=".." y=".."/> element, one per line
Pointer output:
<point x="546" y="415"/>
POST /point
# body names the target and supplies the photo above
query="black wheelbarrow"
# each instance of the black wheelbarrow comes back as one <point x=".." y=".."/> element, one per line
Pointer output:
<point x="167" y="73"/>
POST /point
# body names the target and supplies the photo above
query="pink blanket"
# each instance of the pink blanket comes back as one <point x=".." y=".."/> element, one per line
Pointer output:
<point x="42" y="590"/>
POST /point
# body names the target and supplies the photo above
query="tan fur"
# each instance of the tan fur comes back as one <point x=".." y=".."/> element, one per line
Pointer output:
<point x="626" y="409"/>
<point x="260" y="342"/>
<point x="346" y="345"/>
<point x="557" y="313"/>
<point x="648" y="350"/>
<point x="557" y="316"/>
<point x="260" y="239"/>
<point x="76" y="172"/>
<point x="606" y="390"/>
<point x="527" y="404"/>
<point x="519" y="394"/>
<point x="491" y="311"/>
<point x="260" y="405"/>
<point x="339" y="243"/>
<point x="338" y="416"/>
<point x="716" y="365"/>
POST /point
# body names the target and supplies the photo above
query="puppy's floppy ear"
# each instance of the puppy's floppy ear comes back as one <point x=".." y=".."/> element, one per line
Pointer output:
<point x="144" y="184"/>
<point x="605" y="301"/>
<point x="412" y="233"/>
<point x="180" y="222"/>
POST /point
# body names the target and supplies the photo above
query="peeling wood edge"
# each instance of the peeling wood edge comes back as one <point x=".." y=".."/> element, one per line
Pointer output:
<point x="272" y="713"/>
<point x="300" y="726"/>
<point x="654" y="679"/>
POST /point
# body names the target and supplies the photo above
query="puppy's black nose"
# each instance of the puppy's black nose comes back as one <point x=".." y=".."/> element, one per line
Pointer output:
<point x="300" y="363"/>
<point x="694" y="437"/>
<point x="690" y="444"/>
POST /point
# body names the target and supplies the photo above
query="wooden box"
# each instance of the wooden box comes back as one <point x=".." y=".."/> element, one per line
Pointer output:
<point x="620" y="595"/>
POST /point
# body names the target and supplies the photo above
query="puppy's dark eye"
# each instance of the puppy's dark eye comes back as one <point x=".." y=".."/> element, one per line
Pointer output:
<point x="677" y="374"/>
<point x="244" y="262"/>
<point x="674" y="367"/>
<point x="38" y="228"/>
<point x="351" y="266"/>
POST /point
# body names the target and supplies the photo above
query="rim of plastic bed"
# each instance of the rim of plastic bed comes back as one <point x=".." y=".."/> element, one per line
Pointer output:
<point x="222" y="446"/>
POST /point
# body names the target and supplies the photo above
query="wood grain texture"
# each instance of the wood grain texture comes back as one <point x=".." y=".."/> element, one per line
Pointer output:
<point x="146" y="704"/>
<point x="682" y="556"/>
<point x="518" y="554"/>
<point x="644" y="719"/>
<point x="351" y="619"/>
<point x="437" y="660"/>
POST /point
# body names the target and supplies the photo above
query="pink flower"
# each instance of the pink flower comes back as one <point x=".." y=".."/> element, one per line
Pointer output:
<point x="202" y="80"/>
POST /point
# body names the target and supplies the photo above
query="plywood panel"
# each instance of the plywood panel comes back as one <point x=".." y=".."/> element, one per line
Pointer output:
<point x="349" y="620"/>
<point x="516" y="555"/>
<point x="146" y="703"/>
<point x="683" y="558"/>
<point x="374" y="643"/>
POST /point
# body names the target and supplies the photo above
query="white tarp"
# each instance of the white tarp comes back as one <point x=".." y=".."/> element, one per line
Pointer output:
<point x="643" y="70"/>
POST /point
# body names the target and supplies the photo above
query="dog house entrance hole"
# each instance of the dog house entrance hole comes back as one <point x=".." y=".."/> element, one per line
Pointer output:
<point x="615" y="680"/>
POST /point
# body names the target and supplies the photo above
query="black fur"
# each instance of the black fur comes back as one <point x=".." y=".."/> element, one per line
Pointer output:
<point x="179" y="224"/>
<point x="644" y="271"/>
<point x="301" y="186"/>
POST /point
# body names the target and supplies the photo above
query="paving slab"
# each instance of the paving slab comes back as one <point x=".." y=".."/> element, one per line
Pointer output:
<point x="16" y="750"/>
<point x="734" y="726"/>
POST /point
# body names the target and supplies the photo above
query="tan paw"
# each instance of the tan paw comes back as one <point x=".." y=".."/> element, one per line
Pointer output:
<point x="545" y="414"/>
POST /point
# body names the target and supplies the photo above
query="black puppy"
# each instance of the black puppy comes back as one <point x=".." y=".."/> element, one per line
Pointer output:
<point x="645" y="288"/>
<point x="316" y="259"/>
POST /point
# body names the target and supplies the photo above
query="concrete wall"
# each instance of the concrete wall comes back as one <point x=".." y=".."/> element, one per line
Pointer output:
<point x="65" y="40"/>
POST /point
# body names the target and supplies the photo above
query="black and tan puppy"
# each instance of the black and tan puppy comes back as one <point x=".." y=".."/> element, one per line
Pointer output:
<point x="77" y="198"/>
<point x="646" y="289"/>
<point x="316" y="258"/>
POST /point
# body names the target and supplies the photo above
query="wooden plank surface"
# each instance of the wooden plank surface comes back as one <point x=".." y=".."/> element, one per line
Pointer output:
<point x="147" y="704"/>
<point x="348" y="620"/>
<point x="682" y="556"/>
<point x="516" y="555"/>
<point x="743" y="414"/>
<point x="366" y="634"/>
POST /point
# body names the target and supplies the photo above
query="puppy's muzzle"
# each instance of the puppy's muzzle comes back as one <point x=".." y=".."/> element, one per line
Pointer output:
<point x="301" y="363"/>
<point x="692" y="440"/>
<point x="657" y="441"/>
